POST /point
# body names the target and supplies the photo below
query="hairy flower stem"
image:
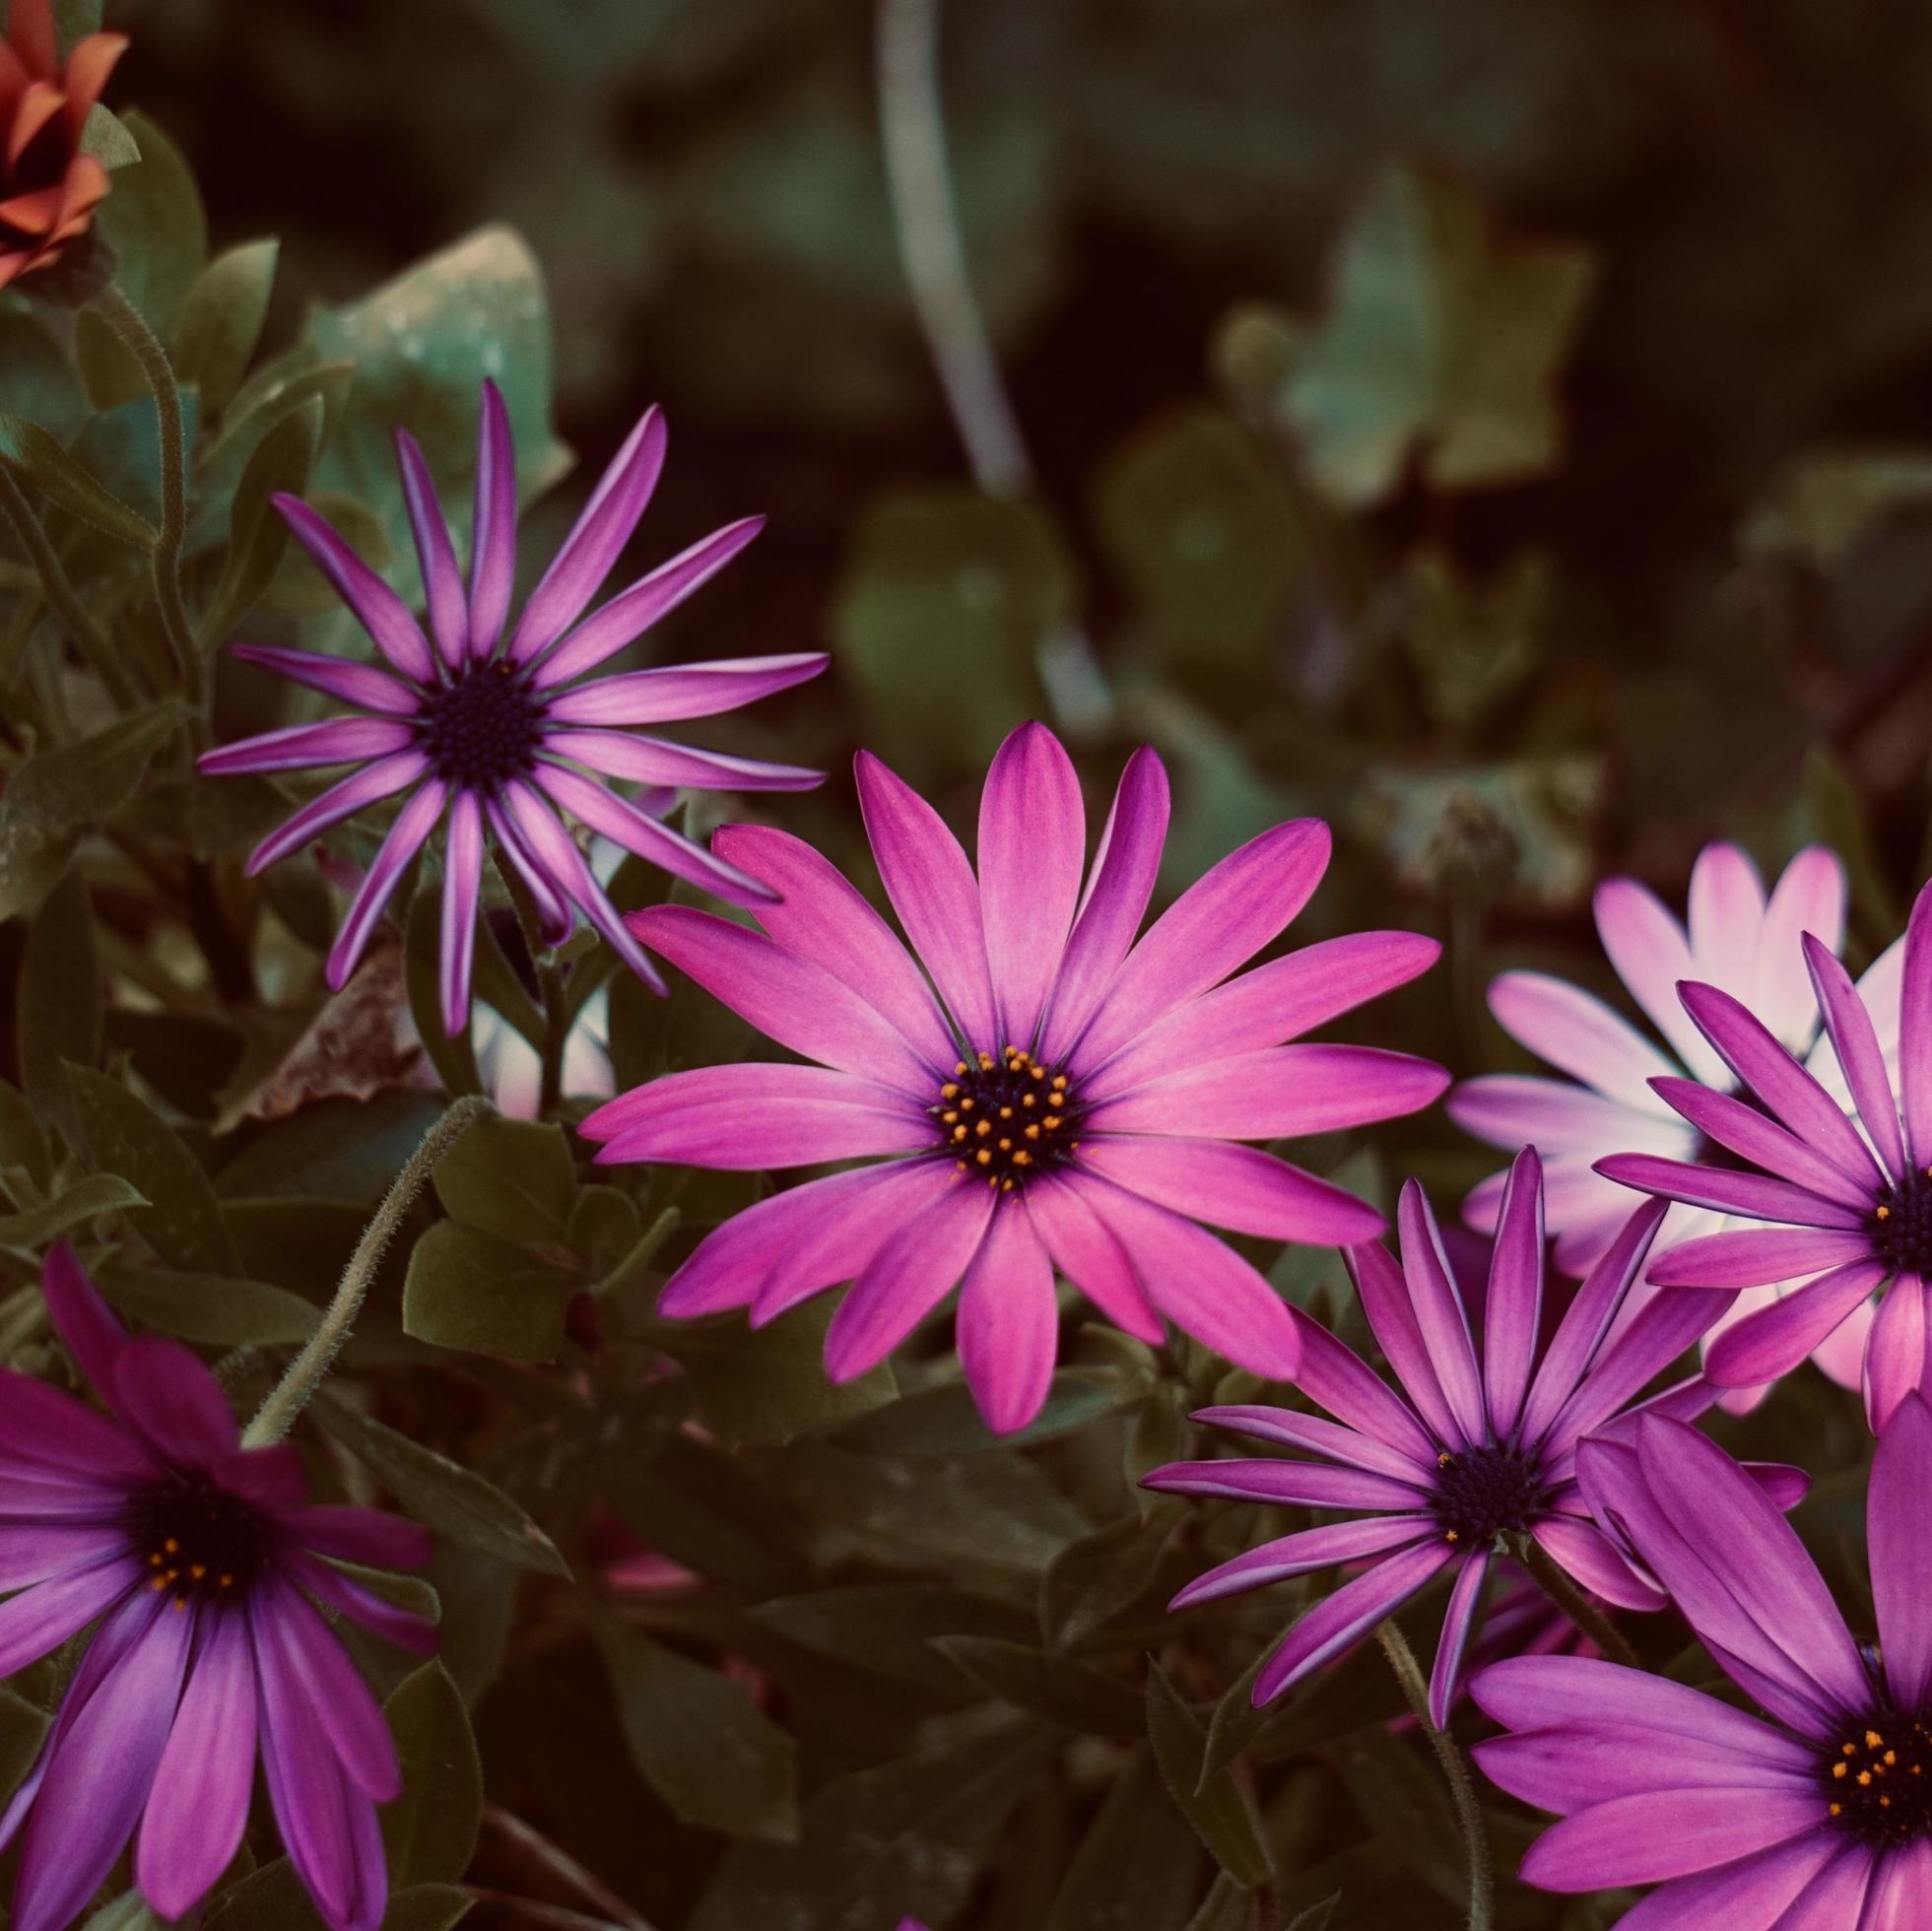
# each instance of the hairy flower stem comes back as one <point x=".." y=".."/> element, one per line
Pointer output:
<point x="1462" y="1792"/>
<point x="141" y="342"/>
<point x="69" y="612"/>
<point x="1574" y="1604"/>
<point x="292" y="1393"/>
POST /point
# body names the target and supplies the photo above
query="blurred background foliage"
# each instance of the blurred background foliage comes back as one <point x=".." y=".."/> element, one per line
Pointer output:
<point x="1504" y="429"/>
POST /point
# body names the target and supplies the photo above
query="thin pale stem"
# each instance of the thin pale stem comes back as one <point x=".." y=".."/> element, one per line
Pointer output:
<point x="292" y="1393"/>
<point x="1574" y="1604"/>
<point x="144" y="345"/>
<point x="1462" y="1790"/>
<point x="69" y="612"/>
<point x="557" y="1033"/>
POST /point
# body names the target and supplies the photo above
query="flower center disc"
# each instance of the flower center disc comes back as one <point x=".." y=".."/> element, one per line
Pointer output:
<point x="1485" y="1492"/>
<point x="482" y="730"/>
<point x="1901" y="1225"/>
<point x="197" y="1540"/>
<point x="1878" y="1782"/>
<point x="1007" y="1117"/>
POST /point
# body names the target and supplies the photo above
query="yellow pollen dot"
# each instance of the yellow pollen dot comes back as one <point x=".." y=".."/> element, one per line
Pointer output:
<point x="961" y="1068"/>
<point x="949" y="1117"/>
<point x="1851" y="1749"/>
<point x="1839" y="1768"/>
<point x="983" y="1128"/>
<point x="1006" y="1187"/>
<point x="1053" y="1122"/>
<point x="154" y="1560"/>
<point x="1032" y="1133"/>
<point x="966" y="1105"/>
<point x="1039" y="1072"/>
<point x="1006" y="1112"/>
<point x="985" y="1157"/>
<point x="1059" y="1079"/>
<point x="1027" y="1100"/>
<point x="1444" y="1460"/>
<point x="985" y="1062"/>
<point x="1892" y="1757"/>
<point x="1873" y="1740"/>
<point x="1884" y="1803"/>
<point x="1837" y="1810"/>
<point x="959" y="1133"/>
<point x="1451" y="1536"/>
<point x="228" y="1582"/>
<point x="950" y="1090"/>
<point x="172" y="1546"/>
<point x="1865" y="1777"/>
<point x="961" y="1165"/>
<point x="159" y="1584"/>
<point x="1005" y="1146"/>
<point x="198" y="1570"/>
<point x="1022" y="1158"/>
<point x="1885" y="1213"/>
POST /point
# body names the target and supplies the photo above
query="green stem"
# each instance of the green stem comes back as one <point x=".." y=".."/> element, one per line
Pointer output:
<point x="1462" y="1791"/>
<point x="304" y="1374"/>
<point x="144" y="345"/>
<point x="557" y="1032"/>
<point x="1574" y="1604"/>
<point x="69" y="612"/>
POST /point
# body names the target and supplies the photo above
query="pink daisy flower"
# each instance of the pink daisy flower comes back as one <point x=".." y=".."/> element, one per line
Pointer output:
<point x="1049" y="1094"/>
<point x="200" y="1563"/>
<point x="489" y="725"/>
<point x="1738" y="939"/>
<point x="1844" y="1179"/>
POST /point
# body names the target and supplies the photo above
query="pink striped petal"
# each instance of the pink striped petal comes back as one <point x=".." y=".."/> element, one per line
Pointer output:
<point x="1895" y="1355"/>
<point x="343" y="799"/>
<point x="1318" y="1436"/>
<point x="1090" y="1256"/>
<point x="663" y="697"/>
<point x="1594" y="1560"/>
<point x="436" y="555"/>
<point x="1386" y="1302"/>
<point x="462" y="885"/>
<point x="1236" y="1187"/>
<point x="361" y="685"/>
<point x="413" y="825"/>
<point x="1667" y="1834"/>
<point x="38" y="1620"/>
<point x="1752" y="1195"/>
<point x="1512" y="1314"/>
<point x="933" y="891"/>
<point x="1667" y="1323"/>
<point x="1217" y="924"/>
<point x="296" y="747"/>
<point x="1326" y="1546"/>
<point x="1807" y="901"/>
<point x="1724" y="916"/>
<point x="1579" y="1035"/>
<point x="1773" y="1341"/>
<point x="1854" y="1042"/>
<point x="820" y="915"/>
<point x="1335" y="1375"/>
<point x="1898" y="1890"/>
<point x="1440" y="1318"/>
<point x="556" y="920"/>
<point x="847" y="1233"/>
<point x="1032" y="846"/>
<point x="1569" y="1767"/>
<point x="651" y="760"/>
<point x="361" y="1604"/>
<point x="1340" y="1621"/>
<point x="1299" y="1484"/>
<point x="492" y="546"/>
<point x="631" y="613"/>
<point x="378" y="608"/>
<point x="1444" y="1678"/>
<point x="1009" y="1322"/>
<point x="1900" y="1552"/>
<point x="1119" y="883"/>
<point x="784" y="1132"/>
<point x="1521" y="1110"/>
<point x="1755" y="1257"/>
<point x="1915" y="1030"/>
<point x="95" y="1337"/>
<point x="1757" y="1138"/>
<point x="601" y="531"/>
<point x="1651" y="954"/>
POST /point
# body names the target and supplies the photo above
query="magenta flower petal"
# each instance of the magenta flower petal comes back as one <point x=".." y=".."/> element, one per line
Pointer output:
<point x="1334" y="1442"/>
<point x="601" y="530"/>
<point x="1523" y="1109"/>
<point x="361" y="685"/>
<point x="1009" y="1324"/>
<point x="361" y="1604"/>
<point x="1304" y="1551"/>
<point x="299" y="747"/>
<point x="362" y="1535"/>
<point x="1091" y="1258"/>
<point x="1032" y="849"/>
<point x="1807" y="902"/>
<point x="493" y="551"/>
<point x="1440" y="1316"/>
<point x="750" y="1118"/>
<point x="1667" y="1834"/>
<point x="1754" y="1893"/>
<point x="406" y="837"/>
<point x="1900" y="1552"/>
<point x="1854" y="1040"/>
<point x="1753" y="1195"/>
<point x="379" y="610"/>
<point x="1915" y="1031"/>
<point x="1566" y="1769"/>
<point x="1301" y="1485"/>
<point x="462" y="886"/>
<point x="1758" y="1139"/>
<point x="341" y="1708"/>
<point x="1386" y="1302"/>
<point x="1464" y="1595"/>
<point x="172" y="1401"/>
<point x="631" y="613"/>
<point x="1775" y="1340"/>
<point x="199" y="1808"/>
<point x="1895" y="1362"/>
<point x="651" y="760"/>
<point x="435" y="555"/>
<point x="933" y="891"/>
<point x="819" y="916"/>
<point x="1899" y="1891"/>
<point x="353" y="793"/>
<point x="89" y="1327"/>
<point x="1592" y="1559"/>
<point x="1277" y="1092"/>
<point x="1754" y="1256"/>
<point x="1120" y="885"/>
<point x="1334" y="1375"/>
<point x="1653" y="956"/>
<point x="557" y="921"/>
<point x="1340" y="1621"/>
<point x="690" y="691"/>
<point x="1514" y="1311"/>
<point x="1579" y="1035"/>
<point x="1233" y="1186"/>
<point x="40" y="1619"/>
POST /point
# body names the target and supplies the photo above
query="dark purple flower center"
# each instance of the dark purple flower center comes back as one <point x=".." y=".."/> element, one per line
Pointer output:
<point x="1007" y="1117"/>
<point x="1487" y="1492"/>
<point x="482" y="729"/>
<point x="1878" y="1782"/>
<point x="1901" y="1225"/>
<point x="198" y="1540"/>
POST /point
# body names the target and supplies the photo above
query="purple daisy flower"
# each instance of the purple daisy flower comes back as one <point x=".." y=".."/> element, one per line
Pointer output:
<point x="1852" y="1208"/>
<point x="1056" y="1095"/>
<point x="1483" y="1448"/>
<point x="201" y="1565"/>
<point x="1735" y="938"/>
<point x="488" y="725"/>
<point x="1817" y="1814"/>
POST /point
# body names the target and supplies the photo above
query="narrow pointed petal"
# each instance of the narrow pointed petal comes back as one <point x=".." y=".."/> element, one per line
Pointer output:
<point x="1440" y="1316"/>
<point x="1464" y="1597"/>
<point x="554" y="912"/>
<point x="1298" y="1484"/>
<point x="38" y="1620"/>
<point x="492" y="546"/>
<point x="1894" y="1361"/>
<point x="1667" y="1323"/>
<point x="407" y="836"/>
<point x="297" y="747"/>
<point x="436" y="555"/>
<point x="378" y="608"/>
<point x="1091" y="1258"/>
<point x="1579" y="1035"/>
<point x="1009" y="1322"/>
<point x="357" y="683"/>
<point x="1512" y="1314"/>
<point x="1651" y="954"/>
<point x="840" y="1245"/>
<point x="1755" y="1257"/>
<point x="1120" y="885"/>
<point x="1317" y="1435"/>
<point x="462" y="886"/>
<point x="1901" y="1551"/>
<point x="91" y="1329"/>
<point x="1306" y="1551"/>
<point x="808" y="1114"/>
<point x="933" y="891"/>
<point x="1666" y="1833"/>
<point x="1236" y="1187"/>
<point x="602" y="530"/>
<point x="1915" y="1030"/>
<point x="1775" y="1340"/>
<point x="651" y="760"/>
<point x="631" y="613"/>
<point x="1853" y="1039"/>
<point x="1807" y="902"/>
<point x="1385" y="1301"/>
<point x="1335" y="1375"/>
<point x="1033" y="847"/>
<point x="688" y="691"/>
<point x="1340" y="1621"/>
<point x="1753" y="1196"/>
<point x="1758" y="1139"/>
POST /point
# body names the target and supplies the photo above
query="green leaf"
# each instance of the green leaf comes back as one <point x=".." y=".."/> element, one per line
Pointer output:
<point x="1228" y="1907"/>
<point x="58" y="1008"/>
<point x="96" y="1194"/>
<point x="452" y="1500"/>
<point x="222" y="320"/>
<point x="1074" y="1695"/>
<point x="701" y="1742"/>
<point x="126" y="1136"/>
<point x="946" y="598"/>
<point x="154" y="223"/>
<point x="889" y="1626"/>
<point x="258" y="539"/>
<point x="1820" y="506"/>
<point x="121" y="447"/>
<point x="472" y="1291"/>
<point x="429" y="1832"/>
<point x="1443" y="343"/>
<point x="272" y="1898"/>
<point x="513" y="1178"/>
<point x="52" y="799"/>
<point x="218" y="1310"/>
<point x="454" y="1058"/>
<point x="67" y="484"/>
<point x="128" y="1913"/>
<point x="945" y="1421"/>
<point x="1215" y="1807"/>
<point x="36" y="379"/>
<point x="1136" y="1865"/>
<point x="22" y="1142"/>
<point x="1474" y="645"/>
<point x="1091" y="1580"/>
<point x="24" y="1729"/>
<point x="427" y="1908"/>
<point x="108" y="138"/>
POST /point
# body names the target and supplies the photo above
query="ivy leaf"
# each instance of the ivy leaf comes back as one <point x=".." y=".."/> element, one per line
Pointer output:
<point x="1443" y="343"/>
<point x="429" y="1832"/>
